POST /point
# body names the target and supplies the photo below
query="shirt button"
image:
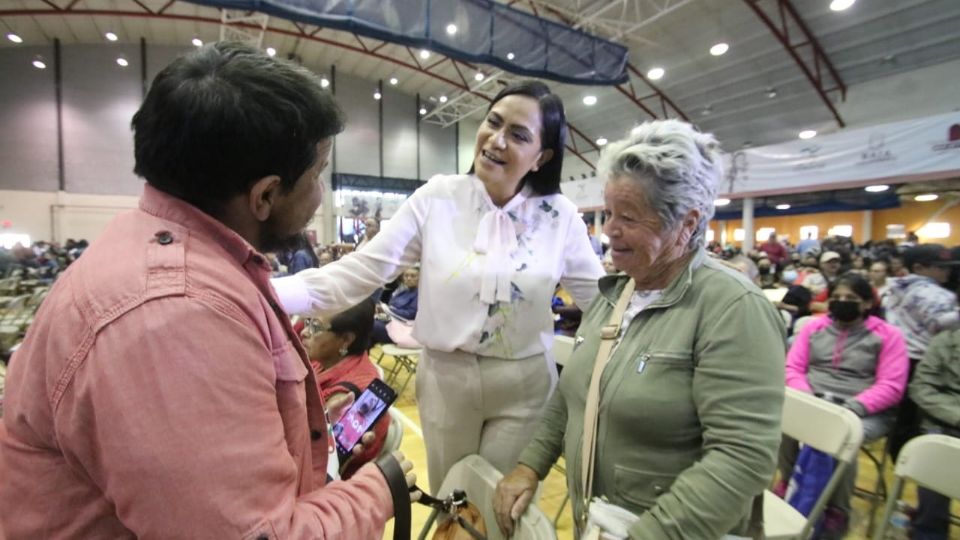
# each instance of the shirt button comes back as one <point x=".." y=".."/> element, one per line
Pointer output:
<point x="315" y="434"/>
<point x="164" y="238"/>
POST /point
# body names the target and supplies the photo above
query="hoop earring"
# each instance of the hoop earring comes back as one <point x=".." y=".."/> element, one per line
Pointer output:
<point x="343" y="352"/>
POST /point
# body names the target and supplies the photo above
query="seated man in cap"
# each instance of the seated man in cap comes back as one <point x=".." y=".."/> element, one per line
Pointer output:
<point x="830" y="262"/>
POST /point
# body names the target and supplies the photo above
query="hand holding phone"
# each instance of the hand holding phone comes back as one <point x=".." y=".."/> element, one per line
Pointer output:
<point x="361" y="416"/>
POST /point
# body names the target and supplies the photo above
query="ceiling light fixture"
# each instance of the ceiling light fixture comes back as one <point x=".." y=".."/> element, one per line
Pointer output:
<point x="39" y="63"/>
<point x="807" y="134"/>
<point x="479" y="76"/>
<point x="271" y="51"/>
<point x="110" y="36"/>
<point x="424" y="54"/>
<point x="394" y="81"/>
<point x="719" y="49"/>
<point x="783" y="207"/>
<point x="14" y="38"/>
<point x="443" y="99"/>
<point x="841" y="5"/>
<point x="451" y="29"/>
<point x="511" y="56"/>
<point x="721" y="202"/>
<point x="601" y="141"/>
<point x="197" y="42"/>
<point x="876" y="189"/>
<point x="707" y="110"/>
<point x="771" y="92"/>
<point x="377" y="95"/>
<point x="656" y="74"/>
<point x="122" y="62"/>
<point x="324" y="82"/>
<point x="423" y="111"/>
<point x="927" y="197"/>
<point x="589" y="100"/>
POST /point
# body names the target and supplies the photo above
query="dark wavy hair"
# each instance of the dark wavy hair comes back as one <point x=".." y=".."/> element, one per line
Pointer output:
<point x="553" y="133"/>
<point x="359" y="321"/>
<point x="218" y="119"/>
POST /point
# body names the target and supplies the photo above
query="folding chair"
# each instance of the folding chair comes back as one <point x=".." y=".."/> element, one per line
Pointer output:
<point x="478" y="478"/>
<point x="404" y="360"/>
<point x="830" y="428"/>
<point x="932" y="462"/>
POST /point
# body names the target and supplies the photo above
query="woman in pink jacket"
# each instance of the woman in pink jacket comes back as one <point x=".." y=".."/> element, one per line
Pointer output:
<point x="854" y="359"/>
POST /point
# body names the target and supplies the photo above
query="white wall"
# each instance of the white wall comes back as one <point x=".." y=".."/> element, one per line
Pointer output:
<point x="58" y="215"/>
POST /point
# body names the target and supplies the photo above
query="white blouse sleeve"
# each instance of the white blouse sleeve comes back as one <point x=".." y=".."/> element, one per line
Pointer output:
<point x="581" y="266"/>
<point x="321" y="292"/>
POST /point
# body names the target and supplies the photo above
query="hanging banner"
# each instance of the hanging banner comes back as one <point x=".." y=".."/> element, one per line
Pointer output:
<point x="912" y="150"/>
<point x="916" y="150"/>
<point x="586" y="194"/>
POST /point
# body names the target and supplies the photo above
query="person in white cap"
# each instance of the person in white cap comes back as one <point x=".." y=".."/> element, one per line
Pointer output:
<point x="830" y="262"/>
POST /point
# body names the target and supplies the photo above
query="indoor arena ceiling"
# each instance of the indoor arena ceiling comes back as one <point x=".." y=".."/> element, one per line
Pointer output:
<point x="787" y="65"/>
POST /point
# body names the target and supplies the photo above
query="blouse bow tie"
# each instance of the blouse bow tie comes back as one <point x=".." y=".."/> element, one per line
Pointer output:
<point x="497" y="239"/>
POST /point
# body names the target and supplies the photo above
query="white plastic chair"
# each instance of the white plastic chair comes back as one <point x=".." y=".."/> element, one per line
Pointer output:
<point x="932" y="461"/>
<point x="478" y="478"/>
<point x="394" y="434"/>
<point x="830" y="428"/>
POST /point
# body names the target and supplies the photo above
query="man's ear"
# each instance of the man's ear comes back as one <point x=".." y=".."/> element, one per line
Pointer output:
<point x="263" y="196"/>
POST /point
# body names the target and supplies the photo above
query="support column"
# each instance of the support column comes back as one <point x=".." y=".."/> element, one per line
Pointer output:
<point x="748" y="234"/>
<point x="597" y="223"/>
<point x="722" y="232"/>
<point x="867" y="227"/>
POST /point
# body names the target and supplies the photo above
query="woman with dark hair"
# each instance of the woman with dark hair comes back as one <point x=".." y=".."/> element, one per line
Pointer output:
<point x="492" y="245"/>
<point x="338" y="354"/>
<point x="854" y="359"/>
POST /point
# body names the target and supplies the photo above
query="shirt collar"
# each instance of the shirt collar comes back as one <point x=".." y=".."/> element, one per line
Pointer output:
<point x="166" y="206"/>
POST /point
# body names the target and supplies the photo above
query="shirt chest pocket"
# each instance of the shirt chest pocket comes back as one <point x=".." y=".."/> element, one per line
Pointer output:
<point x="291" y="374"/>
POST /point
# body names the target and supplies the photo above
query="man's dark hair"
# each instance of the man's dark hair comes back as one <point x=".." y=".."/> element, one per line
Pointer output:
<point x="223" y="116"/>
<point x="553" y="133"/>
<point x="359" y="321"/>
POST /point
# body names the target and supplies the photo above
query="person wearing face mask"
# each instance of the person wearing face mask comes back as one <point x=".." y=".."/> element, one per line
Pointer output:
<point x="854" y="359"/>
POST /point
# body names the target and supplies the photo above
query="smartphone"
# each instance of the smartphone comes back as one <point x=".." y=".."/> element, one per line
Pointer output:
<point x="362" y="415"/>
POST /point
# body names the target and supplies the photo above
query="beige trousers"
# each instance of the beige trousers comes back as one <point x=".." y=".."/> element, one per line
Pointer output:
<point x="473" y="404"/>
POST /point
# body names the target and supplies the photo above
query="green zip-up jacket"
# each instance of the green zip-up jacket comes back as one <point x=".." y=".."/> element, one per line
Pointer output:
<point x="690" y="410"/>
<point x="936" y="382"/>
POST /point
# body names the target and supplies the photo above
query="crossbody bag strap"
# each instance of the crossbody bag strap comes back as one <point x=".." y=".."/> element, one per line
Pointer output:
<point x="608" y="338"/>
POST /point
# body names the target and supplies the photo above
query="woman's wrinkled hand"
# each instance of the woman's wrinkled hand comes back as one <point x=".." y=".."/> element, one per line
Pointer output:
<point x="513" y="495"/>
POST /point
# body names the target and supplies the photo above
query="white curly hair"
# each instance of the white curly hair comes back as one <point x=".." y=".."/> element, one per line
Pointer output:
<point x="678" y="167"/>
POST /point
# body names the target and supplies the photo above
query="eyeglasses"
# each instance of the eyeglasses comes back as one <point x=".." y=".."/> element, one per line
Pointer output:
<point x="315" y="326"/>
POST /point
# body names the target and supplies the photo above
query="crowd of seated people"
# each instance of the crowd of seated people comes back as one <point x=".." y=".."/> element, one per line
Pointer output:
<point x="41" y="260"/>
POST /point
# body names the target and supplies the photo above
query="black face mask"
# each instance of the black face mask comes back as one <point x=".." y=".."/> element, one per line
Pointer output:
<point x="844" y="310"/>
<point x="764" y="270"/>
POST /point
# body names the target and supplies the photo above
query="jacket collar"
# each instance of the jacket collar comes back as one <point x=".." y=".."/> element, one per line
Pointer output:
<point x="611" y="286"/>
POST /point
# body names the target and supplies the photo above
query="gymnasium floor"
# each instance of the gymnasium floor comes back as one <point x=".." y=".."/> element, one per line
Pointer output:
<point x="555" y="489"/>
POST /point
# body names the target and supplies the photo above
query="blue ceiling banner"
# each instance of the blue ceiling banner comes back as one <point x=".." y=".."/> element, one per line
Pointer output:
<point x="486" y="32"/>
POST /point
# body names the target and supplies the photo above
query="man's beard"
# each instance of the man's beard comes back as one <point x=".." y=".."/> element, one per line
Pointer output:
<point x="271" y="241"/>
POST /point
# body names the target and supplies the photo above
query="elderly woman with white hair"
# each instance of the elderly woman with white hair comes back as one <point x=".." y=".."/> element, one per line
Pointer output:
<point x="668" y="411"/>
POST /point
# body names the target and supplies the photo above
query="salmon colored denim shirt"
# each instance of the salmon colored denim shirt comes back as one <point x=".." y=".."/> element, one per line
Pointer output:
<point x="160" y="393"/>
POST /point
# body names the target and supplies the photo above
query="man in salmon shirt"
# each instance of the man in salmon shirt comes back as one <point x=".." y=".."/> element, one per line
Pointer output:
<point x="160" y="391"/>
